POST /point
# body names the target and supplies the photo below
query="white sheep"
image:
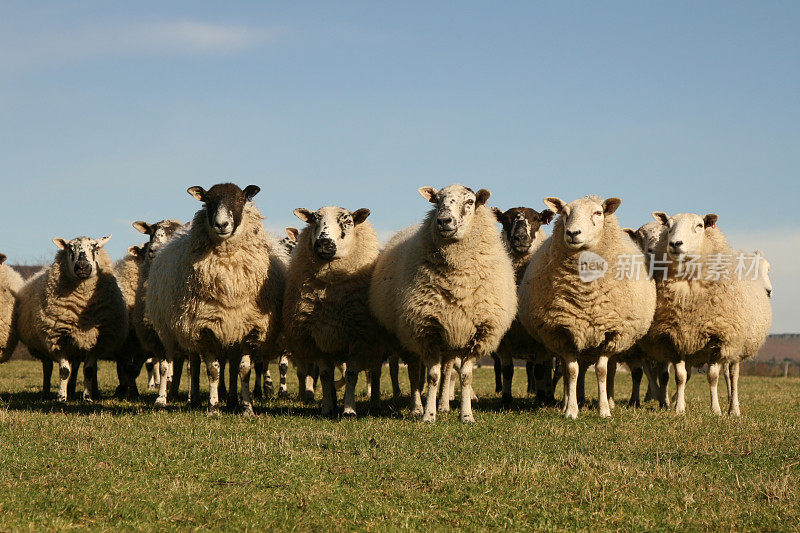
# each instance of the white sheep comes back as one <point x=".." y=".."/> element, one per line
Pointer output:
<point x="74" y="312"/>
<point x="571" y="303"/>
<point x="326" y="315"/>
<point x="712" y="304"/>
<point x="446" y="289"/>
<point x="10" y="283"/>
<point x="216" y="291"/>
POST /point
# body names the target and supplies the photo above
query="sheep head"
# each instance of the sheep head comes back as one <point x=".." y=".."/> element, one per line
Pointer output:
<point x="224" y="205"/>
<point x="686" y="233"/>
<point x="332" y="230"/>
<point x="159" y="233"/>
<point x="81" y="255"/>
<point x="455" y="209"/>
<point x="583" y="219"/>
<point x="520" y="225"/>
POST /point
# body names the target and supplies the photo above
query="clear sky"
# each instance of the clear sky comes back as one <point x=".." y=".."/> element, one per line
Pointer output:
<point x="110" y="110"/>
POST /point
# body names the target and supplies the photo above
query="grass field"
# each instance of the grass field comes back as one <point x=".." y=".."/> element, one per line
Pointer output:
<point x="120" y="465"/>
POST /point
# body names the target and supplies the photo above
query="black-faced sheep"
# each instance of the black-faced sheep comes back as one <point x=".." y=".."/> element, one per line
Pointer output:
<point x="216" y="291"/>
<point x="326" y="315"/>
<point x="569" y="303"/>
<point x="446" y="289"/>
<point x="74" y="312"/>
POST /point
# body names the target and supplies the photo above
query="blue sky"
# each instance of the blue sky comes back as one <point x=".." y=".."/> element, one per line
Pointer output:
<point x="109" y="111"/>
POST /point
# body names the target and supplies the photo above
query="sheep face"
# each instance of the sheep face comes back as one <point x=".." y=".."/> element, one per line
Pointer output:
<point x="763" y="271"/>
<point x="332" y="230"/>
<point x="224" y="204"/>
<point x="159" y="233"/>
<point x="583" y="219"/>
<point x="290" y="241"/>
<point x="81" y="255"/>
<point x="686" y="233"/>
<point x="455" y="209"/>
<point x="648" y="237"/>
<point x="520" y="225"/>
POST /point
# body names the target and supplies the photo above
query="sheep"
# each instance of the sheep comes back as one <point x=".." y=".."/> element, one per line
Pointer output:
<point x="216" y="290"/>
<point x="522" y="235"/>
<point x="74" y="312"/>
<point x="10" y="283"/>
<point x="709" y="311"/>
<point x="150" y="346"/>
<point x="326" y="315"/>
<point x="567" y="302"/>
<point x="446" y="289"/>
<point x="127" y="272"/>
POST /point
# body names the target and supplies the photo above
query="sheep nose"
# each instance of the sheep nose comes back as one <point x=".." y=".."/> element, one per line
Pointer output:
<point x="573" y="234"/>
<point x="676" y="244"/>
<point x="222" y="227"/>
<point x="445" y="221"/>
<point x="325" y="246"/>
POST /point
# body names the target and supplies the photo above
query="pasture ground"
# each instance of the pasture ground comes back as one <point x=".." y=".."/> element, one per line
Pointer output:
<point x="120" y="465"/>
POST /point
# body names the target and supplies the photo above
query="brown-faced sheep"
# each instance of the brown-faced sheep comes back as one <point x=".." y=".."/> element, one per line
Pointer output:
<point x="10" y="283"/>
<point x="326" y="315"/>
<point x="712" y="304"/>
<point x="523" y="234"/>
<point x="446" y="289"/>
<point x="216" y="291"/>
<point x="74" y="312"/>
<point x="567" y="301"/>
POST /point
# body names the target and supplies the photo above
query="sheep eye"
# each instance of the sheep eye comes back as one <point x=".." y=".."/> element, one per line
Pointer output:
<point x="470" y="202"/>
<point x="598" y="213"/>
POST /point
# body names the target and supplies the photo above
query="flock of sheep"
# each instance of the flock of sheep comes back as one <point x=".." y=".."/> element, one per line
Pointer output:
<point x="440" y="295"/>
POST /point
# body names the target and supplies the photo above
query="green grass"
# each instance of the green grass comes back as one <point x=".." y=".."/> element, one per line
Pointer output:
<point x="120" y="465"/>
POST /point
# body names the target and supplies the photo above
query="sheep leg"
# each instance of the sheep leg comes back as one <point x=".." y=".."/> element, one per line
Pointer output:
<point x="269" y="386"/>
<point x="223" y="389"/>
<point x="713" y="380"/>
<point x="258" y="368"/>
<point x="175" y="374"/>
<point x="194" y="382"/>
<point x="375" y="396"/>
<point x="328" y="389"/>
<point x="571" y="372"/>
<point x="601" y="369"/>
<point x="351" y="380"/>
<point x="636" y="383"/>
<point x="47" y="376"/>
<point x="733" y="407"/>
<point x="581" y="385"/>
<point x="507" y="365"/>
<point x="64" y="371"/>
<point x="466" y="391"/>
<point x="447" y="384"/>
<point x="663" y="384"/>
<point x="652" y="387"/>
<point x="233" y="388"/>
<point x="163" y="366"/>
<point x="611" y="375"/>
<point x="434" y="372"/>
<point x="680" y="383"/>
<point x="89" y="379"/>
<point x="369" y="383"/>
<point x="73" y="379"/>
<point x="213" y="371"/>
<point x="244" y="377"/>
<point x="122" y="377"/>
<point x="394" y="374"/>
<point x="151" y="374"/>
<point x="498" y="373"/>
<point x="414" y="366"/>
<point x="726" y="371"/>
<point x="283" y="369"/>
<point x="342" y="380"/>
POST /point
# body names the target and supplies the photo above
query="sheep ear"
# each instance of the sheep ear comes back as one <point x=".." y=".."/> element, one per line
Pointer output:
<point x="631" y="233"/>
<point x="710" y="220"/>
<point x="611" y="205"/>
<point x="143" y="227"/>
<point x="429" y="193"/>
<point x="498" y="213"/>
<point x="102" y="242"/>
<point x="198" y="192"/>
<point x="61" y="243"/>
<point x="360" y="215"/>
<point x="555" y="204"/>
<point x="136" y="250"/>
<point x="660" y="216"/>
<point x="3" y="258"/>
<point x="546" y="216"/>
<point x="250" y="191"/>
<point x="481" y="197"/>
<point x="292" y="233"/>
<point x="303" y="214"/>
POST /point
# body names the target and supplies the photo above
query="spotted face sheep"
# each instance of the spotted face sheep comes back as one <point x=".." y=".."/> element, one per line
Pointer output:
<point x="74" y="312"/>
<point x="326" y="312"/>
<point x="215" y="291"/>
<point x="709" y="311"/>
<point x="446" y="288"/>
<point x="573" y="306"/>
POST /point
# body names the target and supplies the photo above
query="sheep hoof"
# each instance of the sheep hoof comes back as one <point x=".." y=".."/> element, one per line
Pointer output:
<point x="87" y="397"/>
<point x="444" y="408"/>
<point x="247" y="411"/>
<point x="507" y="400"/>
<point x="348" y="415"/>
<point x="120" y="392"/>
<point x="213" y="410"/>
<point x="283" y="394"/>
<point x="717" y="411"/>
<point x="734" y="412"/>
<point x="429" y="417"/>
<point x="680" y="410"/>
<point x="161" y="401"/>
<point x="416" y="412"/>
<point x="634" y="404"/>
<point x="605" y="413"/>
<point x="572" y="415"/>
<point x="152" y="387"/>
<point x="663" y="405"/>
<point x="61" y="399"/>
<point x="611" y="403"/>
<point x="467" y="419"/>
<point x="269" y="391"/>
<point x="193" y="404"/>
